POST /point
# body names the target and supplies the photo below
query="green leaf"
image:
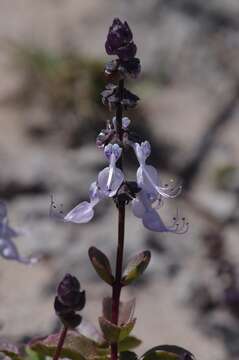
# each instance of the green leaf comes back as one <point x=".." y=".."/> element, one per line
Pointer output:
<point x="167" y="352"/>
<point x="128" y="355"/>
<point x="101" y="265"/>
<point x="33" y="355"/>
<point x="9" y="350"/>
<point x="136" y="266"/>
<point x="130" y="342"/>
<point x="76" y="347"/>
<point x="114" y="333"/>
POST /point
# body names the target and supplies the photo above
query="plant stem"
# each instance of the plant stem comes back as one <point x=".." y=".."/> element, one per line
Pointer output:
<point x="60" y="343"/>
<point x="121" y="228"/>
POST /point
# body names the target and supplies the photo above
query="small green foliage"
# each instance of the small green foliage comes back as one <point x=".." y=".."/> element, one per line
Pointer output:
<point x="33" y="355"/>
<point x="167" y="352"/>
<point x="114" y="333"/>
<point x="101" y="265"/>
<point x="129" y="343"/>
<point x="136" y="266"/>
<point x="128" y="355"/>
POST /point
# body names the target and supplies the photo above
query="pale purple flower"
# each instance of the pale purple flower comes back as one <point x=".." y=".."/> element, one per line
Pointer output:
<point x="150" y="198"/>
<point x="8" y="249"/>
<point x="145" y="209"/>
<point x="125" y="122"/>
<point x="111" y="177"/>
<point x="148" y="177"/>
<point x="108" y="182"/>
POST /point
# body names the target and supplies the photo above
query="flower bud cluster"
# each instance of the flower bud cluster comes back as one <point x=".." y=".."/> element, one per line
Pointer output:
<point x="69" y="299"/>
<point x="120" y="42"/>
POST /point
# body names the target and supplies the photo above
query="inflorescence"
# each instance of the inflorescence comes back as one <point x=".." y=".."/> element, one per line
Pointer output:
<point x="146" y="194"/>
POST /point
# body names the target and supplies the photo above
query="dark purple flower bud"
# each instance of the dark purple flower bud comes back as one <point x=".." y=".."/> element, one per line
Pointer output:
<point x="126" y="52"/>
<point x="111" y="97"/>
<point x="130" y="68"/>
<point x="119" y="35"/>
<point x="69" y="294"/>
<point x="69" y="299"/>
<point x="71" y="319"/>
<point x="69" y="283"/>
<point x="111" y="67"/>
<point x="60" y="308"/>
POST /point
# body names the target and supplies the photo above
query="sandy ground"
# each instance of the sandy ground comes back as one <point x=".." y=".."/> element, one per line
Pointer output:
<point x="26" y="301"/>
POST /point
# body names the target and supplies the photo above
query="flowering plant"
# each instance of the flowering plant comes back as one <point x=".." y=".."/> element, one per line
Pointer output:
<point x="80" y="340"/>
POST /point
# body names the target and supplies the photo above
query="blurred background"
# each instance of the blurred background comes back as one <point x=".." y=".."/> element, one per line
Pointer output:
<point x="51" y="75"/>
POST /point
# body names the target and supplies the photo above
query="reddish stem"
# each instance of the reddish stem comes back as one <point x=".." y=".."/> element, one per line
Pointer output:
<point x="60" y="343"/>
<point x="121" y="228"/>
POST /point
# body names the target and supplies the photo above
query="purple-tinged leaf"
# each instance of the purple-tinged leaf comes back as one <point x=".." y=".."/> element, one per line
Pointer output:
<point x="126" y="310"/>
<point x="76" y="346"/>
<point x="114" y="333"/>
<point x="101" y="265"/>
<point x="88" y="330"/>
<point x="135" y="267"/>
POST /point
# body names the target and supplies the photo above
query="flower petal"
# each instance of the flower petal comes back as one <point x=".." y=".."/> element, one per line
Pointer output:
<point x="112" y="152"/>
<point x="148" y="179"/>
<point x="142" y="151"/>
<point x="153" y="222"/>
<point x="138" y="208"/>
<point x="80" y="214"/>
<point x="125" y="122"/>
<point x="109" y="180"/>
<point x="7" y="232"/>
<point x="8" y="250"/>
<point x="95" y="194"/>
